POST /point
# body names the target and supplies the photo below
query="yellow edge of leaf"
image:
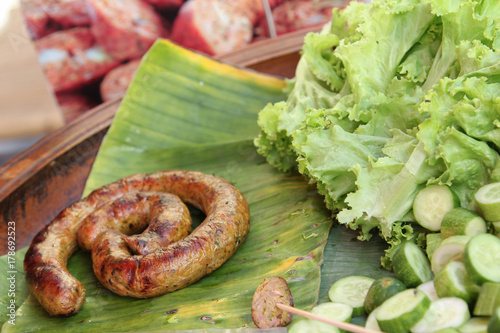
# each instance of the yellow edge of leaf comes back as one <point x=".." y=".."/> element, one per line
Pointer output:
<point x="223" y="68"/>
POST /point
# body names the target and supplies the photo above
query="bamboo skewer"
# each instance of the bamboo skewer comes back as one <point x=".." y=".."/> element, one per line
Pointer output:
<point x="336" y="323"/>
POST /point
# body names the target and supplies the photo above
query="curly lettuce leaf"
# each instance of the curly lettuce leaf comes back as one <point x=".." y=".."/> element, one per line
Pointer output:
<point x="318" y="52"/>
<point x="386" y="190"/>
<point x="273" y="143"/>
<point x="417" y="62"/>
<point x="461" y="130"/>
<point x="328" y="153"/>
<point x="470" y="20"/>
<point x="372" y="61"/>
<point x="477" y="59"/>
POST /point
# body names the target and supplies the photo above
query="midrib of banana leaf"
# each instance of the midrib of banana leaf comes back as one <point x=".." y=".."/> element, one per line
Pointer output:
<point x="205" y="124"/>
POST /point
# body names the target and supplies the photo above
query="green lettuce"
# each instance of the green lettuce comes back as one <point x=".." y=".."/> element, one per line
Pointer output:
<point x="390" y="97"/>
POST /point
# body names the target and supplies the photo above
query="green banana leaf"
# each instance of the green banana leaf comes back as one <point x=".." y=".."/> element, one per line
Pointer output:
<point x="187" y="111"/>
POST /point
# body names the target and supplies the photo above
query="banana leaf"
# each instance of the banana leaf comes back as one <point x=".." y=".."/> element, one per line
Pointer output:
<point x="187" y="111"/>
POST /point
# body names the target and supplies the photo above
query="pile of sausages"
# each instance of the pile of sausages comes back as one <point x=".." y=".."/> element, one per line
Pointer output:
<point x="90" y="49"/>
<point x="165" y="257"/>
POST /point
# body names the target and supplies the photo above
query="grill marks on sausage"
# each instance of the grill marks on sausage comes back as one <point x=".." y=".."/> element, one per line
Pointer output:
<point x="130" y="265"/>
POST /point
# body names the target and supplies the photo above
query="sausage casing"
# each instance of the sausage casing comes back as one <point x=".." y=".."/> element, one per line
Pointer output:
<point x="176" y="266"/>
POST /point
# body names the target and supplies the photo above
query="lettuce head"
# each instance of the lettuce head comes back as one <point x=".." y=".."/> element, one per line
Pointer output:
<point x="392" y="96"/>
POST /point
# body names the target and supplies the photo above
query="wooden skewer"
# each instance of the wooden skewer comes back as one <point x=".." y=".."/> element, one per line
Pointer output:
<point x="336" y="323"/>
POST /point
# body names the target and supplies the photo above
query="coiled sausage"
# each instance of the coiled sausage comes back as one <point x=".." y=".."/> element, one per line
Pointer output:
<point x="167" y="269"/>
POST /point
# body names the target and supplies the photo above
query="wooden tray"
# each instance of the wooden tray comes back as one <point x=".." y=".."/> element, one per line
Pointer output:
<point x="37" y="184"/>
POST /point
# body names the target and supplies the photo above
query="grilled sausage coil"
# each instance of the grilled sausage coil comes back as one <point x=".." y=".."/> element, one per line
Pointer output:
<point x="146" y="265"/>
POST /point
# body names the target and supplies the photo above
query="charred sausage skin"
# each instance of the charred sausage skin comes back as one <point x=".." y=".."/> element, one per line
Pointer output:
<point x="188" y="260"/>
<point x="168" y="269"/>
<point x="162" y="217"/>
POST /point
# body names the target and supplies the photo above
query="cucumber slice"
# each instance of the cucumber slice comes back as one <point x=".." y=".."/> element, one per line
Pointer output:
<point x="335" y="311"/>
<point x="494" y="324"/>
<point x="371" y="321"/>
<point x="488" y="200"/>
<point x="458" y="239"/>
<point x="429" y="289"/>
<point x="461" y="221"/>
<point x="482" y="258"/>
<point x="475" y="325"/>
<point x="410" y="265"/>
<point x="381" y="290"/>
<point x="432" y="242"/>
<point x="403" y="310"/>
<point x="431" y="203"/>
<point x="443" y="313"/>
<point x="488" y="300"/>
<point x="453" y="281"/>
<point x="450" y="249"/>
<point x="448" y="330"/>
<point x="351" y="290"/>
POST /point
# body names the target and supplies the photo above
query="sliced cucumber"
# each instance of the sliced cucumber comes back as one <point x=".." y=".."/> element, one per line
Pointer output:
<point x="488" y="300"/>
<point x="444" y="254"/>
<point x="403" y="310"/>
<point x="432" y="203"/>
<point x="448" y="330"/>
<point x="453" y="281"/>
<point x="335" y="311"/>
<point x="461" y="221"/>
<point x="351" y="290"/>
<point x="451" y="248"/>
<point x="482" y="258"/>
<point x="475" y="325"/>
<point x="307" y="325"/>
<point x="458" y="239"/>
<point x="443" y="313"/>
<point x="494" y="324"/>
<point x="411" y="265"/>
<point x="429" y="289"/>
<point x="371" y="321"/>
<point x="488" y="200"/>
<point x="432" y="242"/>
<point x="380" y="290"/>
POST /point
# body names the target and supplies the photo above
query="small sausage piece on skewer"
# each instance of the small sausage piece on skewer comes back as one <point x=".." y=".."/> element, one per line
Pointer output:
<point x="272" y="306"/>
<point x="273" y="290"/>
